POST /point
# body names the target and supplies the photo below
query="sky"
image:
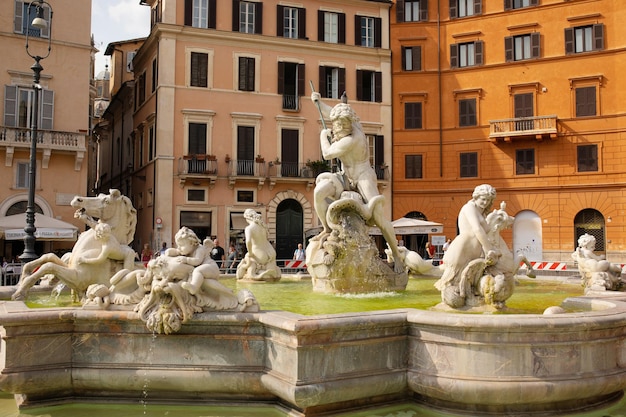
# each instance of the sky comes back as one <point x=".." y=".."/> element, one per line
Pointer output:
<point x="117" y="20"/>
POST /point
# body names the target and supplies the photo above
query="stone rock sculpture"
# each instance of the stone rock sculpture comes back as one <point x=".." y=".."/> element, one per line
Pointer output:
<point x="343" y="258"/>
<point x="97" y="252"/>
<point x="596" y="272"/>
<point x="259" y="263"/>
<point x="479" y="268"/>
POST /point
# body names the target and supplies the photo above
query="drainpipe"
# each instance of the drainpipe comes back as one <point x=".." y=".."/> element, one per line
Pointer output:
<point x="439" y="84"/>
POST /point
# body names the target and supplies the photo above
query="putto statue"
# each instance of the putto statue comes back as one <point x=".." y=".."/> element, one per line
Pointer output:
<point x="596" y="272"/>
<point x="479" y="268"/>
<point x="343" y="258"/>
<point x="259" y="263"/>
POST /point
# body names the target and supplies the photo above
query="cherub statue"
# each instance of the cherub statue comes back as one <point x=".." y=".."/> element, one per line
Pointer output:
<point x="596" y="272"/>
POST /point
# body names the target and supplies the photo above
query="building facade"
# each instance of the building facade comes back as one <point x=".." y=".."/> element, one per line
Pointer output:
<point x="222" y="115"/>
<point x="525" y="95"/>
<point x="63" y="111"/>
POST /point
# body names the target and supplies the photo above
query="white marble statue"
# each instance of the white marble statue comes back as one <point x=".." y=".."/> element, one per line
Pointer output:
<point x="97" y="252"/>
<point x="259" y="263"/>
<point x="596" y="272"/>
<point x="478" y="267"/>
<point x="413" y="261"/>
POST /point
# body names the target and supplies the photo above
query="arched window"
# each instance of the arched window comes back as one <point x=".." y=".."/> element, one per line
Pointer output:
<point x="590" y="221"/>
<point x="20" y="207"/>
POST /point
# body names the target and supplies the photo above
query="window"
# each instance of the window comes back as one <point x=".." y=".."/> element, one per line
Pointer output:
<point x="466" y="54"/>
<point x="247" y="17"/>
<point x="519" y="48"/>
<point x="412" y="58"/>
<point x="524" y="161"/>
<point x="200" y="13"/>
<point x="245" y="196"/>
<point x="290" y="151"/>
<point x="367" y="31"/>
<point x="331" y="27"/>
<point x="464" y="8"/>
<point x="291" y="84"/>
<point x="412" y="115"/>
<point x="140" y="90"/>
<point x="21" y="175"/>
<point x="246" y="73"/>
<point x="154" y="75"/>
<point x="412" y="166"/>
<point x="151" y="144"/>
<point x="199" y="69"/>
<point x="196" y="195"/>
<point x="584" y="39"/>
<point x="467" y="112"/>
<point x="23" y="18"/>
<point x="585" y="101"/>
<point x="245" y="150"/>
<point x="19" y="107"/>
<point x="377" y="155"/>
<point x="291" y="22"/>
<point x="519" y="4"/>
<point x="332" y="82"/>
<point x="197" y="139"/>
<point x="468" y="165"/>
<point x="369" y="86"/>
<point x="524" y="110"/>
<point x="411" y="11"/>
<point x="587" y="157"/>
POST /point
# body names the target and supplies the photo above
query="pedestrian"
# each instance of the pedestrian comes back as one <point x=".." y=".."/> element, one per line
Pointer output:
<point x="298" y="254"/>
<point x="146" y="254"/>
<point x="446" y="245"/>
<point x="163" y="249"/>
<point x="429" y="251"/>
<point x="231" y="259"/>
<point x="218" y="254"/>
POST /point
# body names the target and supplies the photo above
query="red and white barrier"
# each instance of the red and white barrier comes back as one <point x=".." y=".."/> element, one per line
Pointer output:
<point x="547" y="266"/>
<point x="295" y="264"/>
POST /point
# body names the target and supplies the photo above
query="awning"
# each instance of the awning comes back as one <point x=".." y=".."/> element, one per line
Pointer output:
<point x="237" y="222"/>
<point x="406" y="226"/>
<point x="48" y="228"/>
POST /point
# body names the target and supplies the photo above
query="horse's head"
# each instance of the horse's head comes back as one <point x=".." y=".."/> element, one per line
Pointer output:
<point x="499" y="219"/>
<point x="114" y="209"/>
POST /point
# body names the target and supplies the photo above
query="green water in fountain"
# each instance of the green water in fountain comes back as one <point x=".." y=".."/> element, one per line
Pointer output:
<point x="530" y="297"/>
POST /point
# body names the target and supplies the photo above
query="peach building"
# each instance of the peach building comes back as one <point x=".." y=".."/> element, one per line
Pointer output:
<point x="222" y="119"/>
<point x="525" y="95"/>
<point x="64" y="113"/>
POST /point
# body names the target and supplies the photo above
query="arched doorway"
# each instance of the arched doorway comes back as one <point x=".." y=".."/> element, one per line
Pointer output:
<point x="590" y="221"/>
<point x="527" y="235"/>
<point x="289" y="227"/>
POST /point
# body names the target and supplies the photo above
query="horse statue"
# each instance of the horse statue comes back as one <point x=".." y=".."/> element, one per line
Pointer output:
<point x="98" y="253"/>
<point x="490" y="280"/>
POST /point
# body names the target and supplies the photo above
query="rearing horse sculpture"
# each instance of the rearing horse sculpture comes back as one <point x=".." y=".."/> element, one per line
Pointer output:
<point x="87" y="264"/>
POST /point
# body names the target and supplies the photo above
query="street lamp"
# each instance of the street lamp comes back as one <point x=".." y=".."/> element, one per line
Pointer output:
<point x="40" y="23"/>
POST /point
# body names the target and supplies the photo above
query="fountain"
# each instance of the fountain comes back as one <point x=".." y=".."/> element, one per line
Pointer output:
<point x="175" y="329"/>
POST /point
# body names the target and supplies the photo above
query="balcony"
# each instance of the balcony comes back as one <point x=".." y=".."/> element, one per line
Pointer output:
<point x="291" y="102"/>
<point x="196" y="168"/>
<point x="538" y="127"/>
<point x="12" y="138"/>
<point x="245" y="170"/>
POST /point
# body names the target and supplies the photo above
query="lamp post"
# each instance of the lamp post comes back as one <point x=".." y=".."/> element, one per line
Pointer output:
<point x="40" y="23"/>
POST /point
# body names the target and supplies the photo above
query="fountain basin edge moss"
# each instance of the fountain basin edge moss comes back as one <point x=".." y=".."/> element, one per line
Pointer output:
<point x="316" y="364"/>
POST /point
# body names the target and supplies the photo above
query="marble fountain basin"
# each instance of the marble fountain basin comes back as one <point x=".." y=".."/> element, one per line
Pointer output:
<point x="499" y="364"/>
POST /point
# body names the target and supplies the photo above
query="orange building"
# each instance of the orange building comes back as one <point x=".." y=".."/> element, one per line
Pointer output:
<point x="525" y="95"/>
<point x="222" y="119"/>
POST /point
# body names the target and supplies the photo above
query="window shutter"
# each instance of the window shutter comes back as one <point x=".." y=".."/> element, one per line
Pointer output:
<point x="21" y="180"/>
<point x="508" y="49"/>
<point x="534" y="2"/>
<point x="322" y="81"/>
<point x="378" y="29"/>
<point x="47" y="109"/>
<point x="508" y="4"/>
<point x="212" y="14"/>
<point x="598" y="37"/>
<point x="357" y="30"/>
<point x="417" y="58"/>
<point x="454" y="55"/>
<point x="45" y="32"/>
<point x="280" y="19"/>
<point x="399" y="11"/>
<point x="341" y="28"/>
<point x="235" y="15"/>
<point x="359" y="85"/>
<point x="188" y="12"/>
<point x="478" y="52"/>
<point x="378" y="88"/>
<point x="569" y="41"/>
<point x="535" y="45"/>
<point x="301" y="23"/>
<point x="320" y="25"/>
<point x="197" y="138"/>
<point x="379" y="150"/>
<point x="258" y="18"/>
<point x="18" y="19"/>
<point x="10" y="106"/>
<point x="341" y="85"/>
<point x="478" y="7"/>
<point x="423" y="10"/>
<point x="453" y="12"/>
<point x="301" y="79"/>
<point x="403" y="56"/>
<point x="281" y="78"/>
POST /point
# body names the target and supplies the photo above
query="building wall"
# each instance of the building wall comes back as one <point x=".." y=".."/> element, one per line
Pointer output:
<point x="174" y="104"/>
<point x="61" y="162"/>
<point x="557" y="191"/>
